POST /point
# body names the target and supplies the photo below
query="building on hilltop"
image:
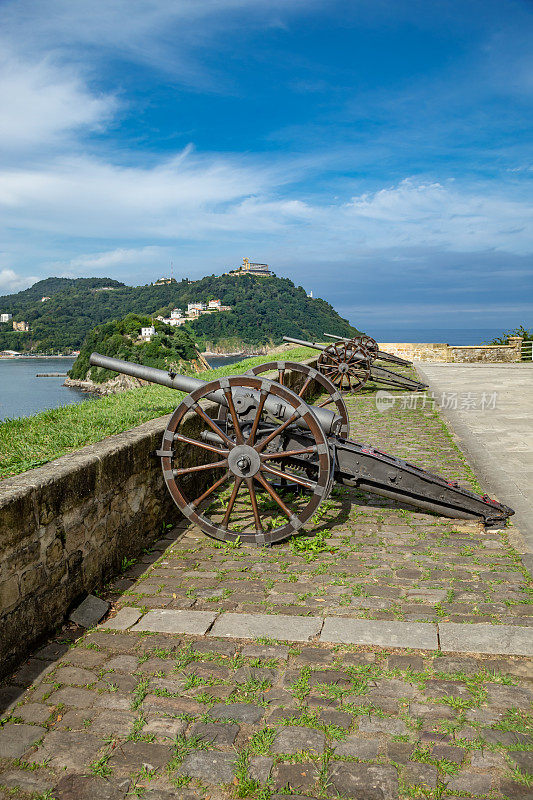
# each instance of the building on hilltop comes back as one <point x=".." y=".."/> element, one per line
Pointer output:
<point x="252" y="268"/>
<point x="44" y="299"/>
<point x="147" y="333"/>
<point x="6" y="317"/>
<point x="23" y="327"/>
<point x="165" y="281"/>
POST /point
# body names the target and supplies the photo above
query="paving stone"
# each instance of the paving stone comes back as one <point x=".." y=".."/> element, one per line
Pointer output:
<point x="481" y="638"/>
<point x="241" y="712"/>
<point x="83" y="657"/>
<point x="248" y="673"/>
<point x="394" y="727"/>
<point x="406" y="662"/>
<point x="113" y="723"/>
<point x="260" y="768"/>
<point x="339" y="718"/>
<point x="89" y="612"/>
<point x="74" y="676"/>
<point x="70" y="696"/>
<point x="28" y="781"/>
<point x="118" y="700"/>
<point x="16" y="738"/>
<point x="443" y="688"/>
<point x="115" y="642"/>
<point x="212" y="646"/>
<point x="293" y="739"/>
<point x="295" y="776"/>
<point x="448" y="752"/>
<point x="85" y="787"/>
<point x="176" y="621"/>
<point x="524" y="759"/>
<point x="167" y="727"/>
<point x="452" y="664"/>
<point x="472" y="782"/>
<point x="135" y="755"/>
<point x="515" y="791"/>
<point x="33" y="712"/>
<point x="122" y="663"/>
<point x="355" y="746"/>
<point x="279" y="626"/>
<point x="364" y="781"/>
<point x="210" y="766"/>
<point x="125" y="618"/>
<point x="329" y="677"/>
<point x="391" y="687"/>
<point x="264" y="652"/>
<point x="418" y="775"/>
<point x="32" y="672"/>
<point x="484" y="759"/>
<point x="219" y="734"/>
<point x="510" y="696"/>
<point x="399" y="752"/>
<point x="421" y="636"/>
<point x="70" y="750"/>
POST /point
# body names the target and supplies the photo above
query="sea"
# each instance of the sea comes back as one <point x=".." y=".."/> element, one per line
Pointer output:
<point x="23" y="394"/>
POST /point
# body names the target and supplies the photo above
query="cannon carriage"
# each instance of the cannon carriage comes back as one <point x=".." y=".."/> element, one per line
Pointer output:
<point x="268" y="457"/>
<point x="349" y="364"/>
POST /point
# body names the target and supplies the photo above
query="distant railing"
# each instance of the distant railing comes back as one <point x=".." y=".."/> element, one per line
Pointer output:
<point x="526" y="351"/>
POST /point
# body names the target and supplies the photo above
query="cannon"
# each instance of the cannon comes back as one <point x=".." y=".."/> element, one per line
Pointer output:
<point x="349" y="365"/>
<point x="373" y="348"/>
<point x="266" y="458"/>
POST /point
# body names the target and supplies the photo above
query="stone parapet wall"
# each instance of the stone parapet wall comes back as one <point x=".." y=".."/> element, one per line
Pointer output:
<point x="441" y="352"/>
<point x="66" y="527"/>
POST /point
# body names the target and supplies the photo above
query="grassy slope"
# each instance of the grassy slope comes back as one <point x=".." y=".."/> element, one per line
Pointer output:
<point x="28" y="442"/>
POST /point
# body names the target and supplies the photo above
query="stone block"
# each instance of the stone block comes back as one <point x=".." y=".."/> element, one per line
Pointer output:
<point x="89" y="612"/>
<point x="482" y="638"/>
<point x="274" y="626"/>
<point x="16" y="739"/>
<point x="68" y="750"/>
<point x="357" y="747"/>
<point x="176" y="621"/>
<point x="364" y="781"/>
<point x="125" y="618"/>
<point x="340" y="630"/>
<point x="240" y="712"/>
<point x="219" y="734"/>
<point x="132" y="756"/>
<point x="89" y="787"/>
<point x="301" y="776"/>
<point x="293" y="739"/>
<point x="210" y="766"/>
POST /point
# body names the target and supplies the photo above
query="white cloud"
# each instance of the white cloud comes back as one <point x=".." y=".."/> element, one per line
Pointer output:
<point x="41" y="104"/>
<point x="10" y="281"/>
<point x="119" y="259"/>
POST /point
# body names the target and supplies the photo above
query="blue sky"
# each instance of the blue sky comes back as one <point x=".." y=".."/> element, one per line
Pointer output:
<point x="376" y="152"/>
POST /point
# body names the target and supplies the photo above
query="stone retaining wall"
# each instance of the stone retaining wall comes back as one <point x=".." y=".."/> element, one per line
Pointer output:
<point x="489" y="353"/>
<point x="66" y="527"/>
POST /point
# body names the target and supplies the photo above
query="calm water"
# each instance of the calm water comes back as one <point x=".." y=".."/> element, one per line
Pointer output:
<point x="399" y="333"/>
<point x="22" y="394"/>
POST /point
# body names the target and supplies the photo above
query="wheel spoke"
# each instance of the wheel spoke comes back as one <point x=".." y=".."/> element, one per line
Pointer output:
<point x="263" y="443"/>
<point x="238" y="433"/>
<point x="253" y="498"/>
<point x="211" y="489"/>
<point x="274" y="495"/>
<point x="219" y="432"/>
<point x="304" y="387"/>
<point x="287" y="453"/>
<point x="281" y="376"/>
<point x="178" y="437"/>
<point x="263" y="397"/>
<point x="290" y="477"/>
<point x="231" y="501"/>
<point x="201" y="467"/>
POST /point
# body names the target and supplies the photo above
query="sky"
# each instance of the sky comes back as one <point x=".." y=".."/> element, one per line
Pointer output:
<point x="377" y="153"/>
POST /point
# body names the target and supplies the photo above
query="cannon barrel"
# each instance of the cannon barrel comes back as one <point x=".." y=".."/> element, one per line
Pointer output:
<point x="329" y="421"/>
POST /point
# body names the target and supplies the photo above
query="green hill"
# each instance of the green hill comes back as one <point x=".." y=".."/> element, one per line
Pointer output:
<point x="263" y="310"/>
<point x="169" y="348"/>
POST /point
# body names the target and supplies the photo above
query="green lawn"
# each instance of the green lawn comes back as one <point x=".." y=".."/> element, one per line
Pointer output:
<point x="27" y="442"/>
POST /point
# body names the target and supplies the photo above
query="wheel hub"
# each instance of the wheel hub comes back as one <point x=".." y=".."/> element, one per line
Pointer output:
<point x="244" y="461"/>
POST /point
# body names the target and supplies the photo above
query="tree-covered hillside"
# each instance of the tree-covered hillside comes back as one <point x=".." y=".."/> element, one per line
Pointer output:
<point x="263" y="310"/>
<point x="170" y="347"/>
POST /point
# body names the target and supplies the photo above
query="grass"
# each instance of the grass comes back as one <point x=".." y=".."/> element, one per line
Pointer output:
<point x="29" y="442"/>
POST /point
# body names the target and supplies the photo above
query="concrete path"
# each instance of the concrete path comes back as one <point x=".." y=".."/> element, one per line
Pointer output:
<point x="490" y="408"/>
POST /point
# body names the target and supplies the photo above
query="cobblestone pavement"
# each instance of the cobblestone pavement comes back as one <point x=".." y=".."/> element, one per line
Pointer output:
<point x="112" y="713"/>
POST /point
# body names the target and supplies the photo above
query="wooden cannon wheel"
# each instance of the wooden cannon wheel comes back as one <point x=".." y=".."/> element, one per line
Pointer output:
<point x="244" y="457"/>
<point x="334" y="396"/>
<point x="345" y="365"/>
<point x="368" y="343"/>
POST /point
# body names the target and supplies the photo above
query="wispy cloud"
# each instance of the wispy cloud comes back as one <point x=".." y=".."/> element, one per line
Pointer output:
<point x="10" y="281"/>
